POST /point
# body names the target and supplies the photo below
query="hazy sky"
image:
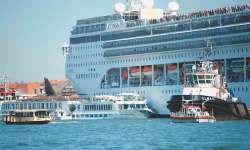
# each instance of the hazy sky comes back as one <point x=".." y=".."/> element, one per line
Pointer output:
<point x="32" y="31"/>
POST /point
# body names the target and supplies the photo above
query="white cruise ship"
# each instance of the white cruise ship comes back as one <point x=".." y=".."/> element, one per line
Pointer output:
<point x="143" y="49"/>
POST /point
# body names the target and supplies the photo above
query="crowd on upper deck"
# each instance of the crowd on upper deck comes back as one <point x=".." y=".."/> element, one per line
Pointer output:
<point x="218" y="11"/>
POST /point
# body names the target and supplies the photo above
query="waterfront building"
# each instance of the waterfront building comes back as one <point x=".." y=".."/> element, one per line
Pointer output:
<point x="22" y="90"/>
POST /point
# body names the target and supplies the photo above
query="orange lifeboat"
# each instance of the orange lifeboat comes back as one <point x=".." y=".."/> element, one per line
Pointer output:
<point x="172" y="68"/>
<point x="135" y="71"/>
<point x="147" y="70"/>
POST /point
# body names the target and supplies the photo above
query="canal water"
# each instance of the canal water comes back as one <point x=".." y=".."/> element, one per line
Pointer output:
<point x="144" y="134"/>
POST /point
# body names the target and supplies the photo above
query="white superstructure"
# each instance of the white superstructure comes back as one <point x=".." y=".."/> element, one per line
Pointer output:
<point x="125" y="105"/>
<point x="132" y="51"/>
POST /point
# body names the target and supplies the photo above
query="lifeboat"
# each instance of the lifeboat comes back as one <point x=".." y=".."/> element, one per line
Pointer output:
<point x="147" y="70"/>
<point x="135" y="71"/>
<point x="172" y="68"/>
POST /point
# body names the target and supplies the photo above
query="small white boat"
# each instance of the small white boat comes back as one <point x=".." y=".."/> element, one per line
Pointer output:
<point x="191" y="114"/>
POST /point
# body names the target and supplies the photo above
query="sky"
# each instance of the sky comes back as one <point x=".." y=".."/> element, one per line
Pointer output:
<point x="33" y="31"/>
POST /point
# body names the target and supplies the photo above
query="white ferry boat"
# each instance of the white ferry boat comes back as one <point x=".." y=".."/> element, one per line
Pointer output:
<point x="131" y="50"/>
<point x="124" y="106"/>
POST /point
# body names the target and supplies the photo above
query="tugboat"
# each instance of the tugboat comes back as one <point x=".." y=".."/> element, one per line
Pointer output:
<point x="204" y="87"/>
<point x="192" y="114"/>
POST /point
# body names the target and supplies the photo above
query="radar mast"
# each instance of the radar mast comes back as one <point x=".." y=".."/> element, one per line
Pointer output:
<point x="4" y="82"/>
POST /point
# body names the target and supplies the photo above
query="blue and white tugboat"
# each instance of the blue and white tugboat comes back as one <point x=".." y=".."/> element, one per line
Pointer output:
<point x="205" y="96"/>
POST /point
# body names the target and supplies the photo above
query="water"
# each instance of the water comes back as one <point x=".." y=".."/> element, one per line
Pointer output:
<point x="126" y="134"/>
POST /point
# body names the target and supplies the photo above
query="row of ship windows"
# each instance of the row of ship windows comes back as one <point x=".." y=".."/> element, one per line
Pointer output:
<point x="99" y="19"/>
<point x="179" y="36"/>
<point x="90" y="115"/>
<point x="77" y="49"/>
<point x="85" y="39"/>
<point x="93" y="107"/>
<point x="145" y="59"/>
<point x="32" y="106"/>
<point x="181" y="55"/>
<point x="174" y="56"/>
<point x="89" y="29"/>
<point x="87" y="76"/>
<point x="84" y="56"/>
<point x="171" y="91"/>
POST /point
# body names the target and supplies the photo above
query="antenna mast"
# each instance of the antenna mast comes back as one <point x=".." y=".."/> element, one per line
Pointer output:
<point x="4" y="83"/>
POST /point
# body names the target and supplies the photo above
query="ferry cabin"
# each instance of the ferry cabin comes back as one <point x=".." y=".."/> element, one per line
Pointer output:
<point x="26" y="117"/>
<point x="56" y="107"/>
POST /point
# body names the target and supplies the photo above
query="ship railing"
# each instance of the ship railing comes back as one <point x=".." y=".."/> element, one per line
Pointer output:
<point x="99" y="19"/>
<point x="49" y="98"/>
<point x="210" y="14"/>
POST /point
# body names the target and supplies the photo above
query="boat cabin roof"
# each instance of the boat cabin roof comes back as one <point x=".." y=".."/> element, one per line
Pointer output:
<point x="34" y="110"/>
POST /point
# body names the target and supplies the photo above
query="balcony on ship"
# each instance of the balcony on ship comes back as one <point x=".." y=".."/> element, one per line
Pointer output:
<point x="222" y="40"/>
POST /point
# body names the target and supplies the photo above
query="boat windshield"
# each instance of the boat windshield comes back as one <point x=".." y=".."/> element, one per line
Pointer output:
<point x="42" y="114"/>
<point x="176" y="97"/>
<point x="194" y="80"/>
